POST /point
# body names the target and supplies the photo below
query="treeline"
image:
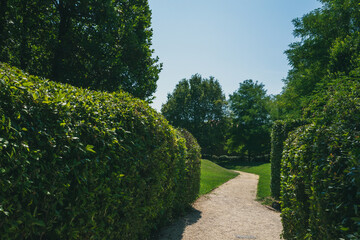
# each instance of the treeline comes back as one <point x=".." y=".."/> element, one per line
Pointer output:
<point x="103" y="45"/>
<point x="329" y="47"/>
<point x="238" y="126"/>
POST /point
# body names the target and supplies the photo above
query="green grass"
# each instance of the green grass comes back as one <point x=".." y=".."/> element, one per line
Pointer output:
<point x="264" y="172"/>
<point x="212" y="176"/>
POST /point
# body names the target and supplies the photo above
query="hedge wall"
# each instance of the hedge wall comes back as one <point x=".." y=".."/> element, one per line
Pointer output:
<point x="279" y="134"/>
<point x="80" y="164"/>
<point x="189" y="190"/>
<point x="321" y="168"/>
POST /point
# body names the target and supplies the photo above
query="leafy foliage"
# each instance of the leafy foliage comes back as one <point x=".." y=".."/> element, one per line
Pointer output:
<point x="189" y="185"/>
<point x="223" y="158"/>
<point x="320" y="161"/>
<point x="279" y="134"/>
<point x="329" y="43"/>
<point x="321" y="167"/>
<point x="249" y="132"/>
<point x="98" y="44"/>
<point x="199" y="106"/>
<point x="81" y="164"/>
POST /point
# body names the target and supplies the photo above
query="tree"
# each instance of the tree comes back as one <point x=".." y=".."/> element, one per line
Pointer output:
<point x="103" y="45"/>
<point x="199" y="105"/>
<point x="328" y="44"/>
<point x="250" y="130"/>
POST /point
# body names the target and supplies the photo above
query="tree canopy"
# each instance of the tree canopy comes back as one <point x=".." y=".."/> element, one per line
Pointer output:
<point x="249" y="133"/>
<point x="329" y="44"/>
<point x="198" y="105"/>
<point x="103" y="45"/>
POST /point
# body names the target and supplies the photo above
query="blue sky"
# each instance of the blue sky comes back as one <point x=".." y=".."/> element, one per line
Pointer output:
<point x="232" y="40"/>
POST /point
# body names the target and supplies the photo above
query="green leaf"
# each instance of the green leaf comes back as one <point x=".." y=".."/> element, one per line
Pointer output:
<point x="89" y="148"/>
<point x="38" y="223"/>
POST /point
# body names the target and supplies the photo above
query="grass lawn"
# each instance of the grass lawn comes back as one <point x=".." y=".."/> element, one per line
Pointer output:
<point x="212" y="176"/>
<point x="264" y="172"/>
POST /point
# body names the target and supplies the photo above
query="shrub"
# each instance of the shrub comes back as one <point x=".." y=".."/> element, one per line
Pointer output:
<point x="223" y="159"/>
<point x="81" y="164"/>
<point x="189" y="189"/>
<point x="321" y="168"/>
<point x="279" y="134"/>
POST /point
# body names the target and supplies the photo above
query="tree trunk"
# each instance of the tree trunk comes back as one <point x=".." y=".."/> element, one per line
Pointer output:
<point x="61" y="50"/>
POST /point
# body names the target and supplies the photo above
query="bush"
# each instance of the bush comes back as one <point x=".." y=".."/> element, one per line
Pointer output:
<point x="191" y="180"/>
<point x="224" y="158"/>
<point x="81" y="164"/>
<point x="279" y="134"/>
<point x="321" y="168"/>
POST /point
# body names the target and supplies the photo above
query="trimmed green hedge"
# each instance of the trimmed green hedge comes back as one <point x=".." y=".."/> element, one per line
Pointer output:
<point x="191" y="180"/>
<point x="223" y="158"/>
<point x="320" y="196"/>
<point x="81" y="164"/>
<point x="279" y="134"/>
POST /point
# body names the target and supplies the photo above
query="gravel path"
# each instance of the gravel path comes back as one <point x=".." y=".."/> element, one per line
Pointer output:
<point x="228" y="212"/>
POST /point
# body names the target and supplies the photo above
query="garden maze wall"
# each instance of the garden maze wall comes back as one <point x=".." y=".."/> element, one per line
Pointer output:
<point x="82" y="164"/>
<point x="320" y="166"/>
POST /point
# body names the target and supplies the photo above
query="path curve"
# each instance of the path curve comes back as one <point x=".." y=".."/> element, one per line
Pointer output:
<point x="228" y="212"/>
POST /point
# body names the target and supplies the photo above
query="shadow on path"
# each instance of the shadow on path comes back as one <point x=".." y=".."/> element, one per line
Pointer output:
<point x="175" y="232"/>
<point x="227" y="213"/>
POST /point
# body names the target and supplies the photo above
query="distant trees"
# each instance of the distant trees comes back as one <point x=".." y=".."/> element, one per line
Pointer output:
<point x="98" y="44"/>
<point x="249" y="133"/>
<point x="198" y="105"/>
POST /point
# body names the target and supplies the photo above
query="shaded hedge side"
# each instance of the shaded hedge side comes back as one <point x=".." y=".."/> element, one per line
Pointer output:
<point x="321" y="168"/>
<point x="80" y="164"/>
<point x="279" y="134"/>
<point x="189" y="190"/>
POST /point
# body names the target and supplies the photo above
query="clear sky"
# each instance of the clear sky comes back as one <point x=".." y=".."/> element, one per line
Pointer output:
<point x="231" y="40"/>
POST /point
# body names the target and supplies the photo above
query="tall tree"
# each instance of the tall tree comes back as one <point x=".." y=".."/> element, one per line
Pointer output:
<point x="98" y="44"/>
<point x="23" y="29"/>
<point x="250" y="130"/>
<point x="320" y="51"/>
<point x="199" y="105"/>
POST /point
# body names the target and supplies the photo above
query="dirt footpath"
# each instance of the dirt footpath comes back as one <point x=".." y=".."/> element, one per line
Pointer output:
<point x="229" y="212"/>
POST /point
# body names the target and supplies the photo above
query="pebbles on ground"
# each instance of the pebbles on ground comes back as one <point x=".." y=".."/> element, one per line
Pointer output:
<point x="230" y="212"/>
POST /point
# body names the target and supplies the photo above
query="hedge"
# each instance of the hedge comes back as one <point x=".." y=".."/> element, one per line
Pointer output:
<point x="190" y="187"/>
<point x="223" y="158"/>
<point x="279" y="134"/>
<point x="320" y="189"/>
<point x="81" y="164"/>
